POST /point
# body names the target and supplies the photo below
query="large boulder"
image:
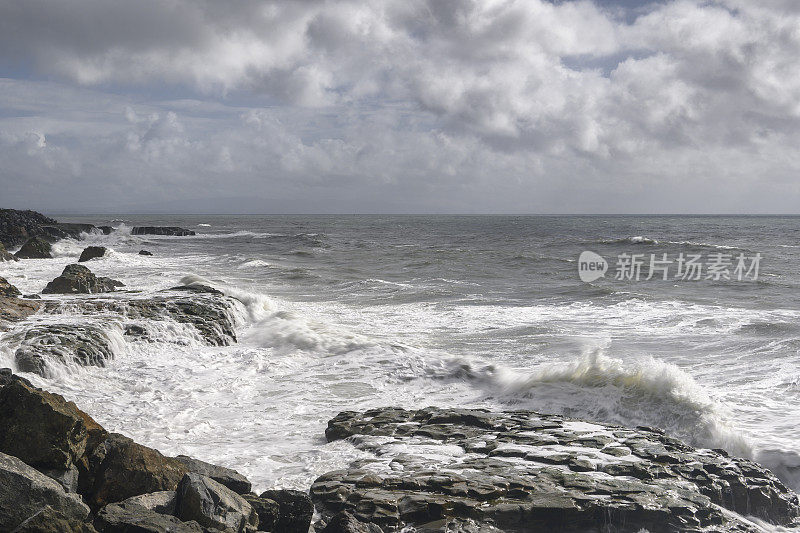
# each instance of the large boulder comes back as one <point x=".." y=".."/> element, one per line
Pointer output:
<point x="268" y="511"/>
<point x="127" y="517"/>
<point x="225" y="476"/>
<point x="92" y="252"/>
<point x="14" y="310"/>
<point x="145" y="252"/>
<point x="296" y="510"/>
<point x="44" y="429"/>
<point x="35" y="248"/>
<point x="77" y="279"/>
<point x="5" y="255"/>
<point x="24" y="492"/>
<point x="213" y="505"/>
<point x="84" y="345"/>
<point x="524" y="471"/>
<point x="161" y="230"/>
<point x="7" y="289"/>
<point x="120" y="468"/>
<point x="162" y="502"/>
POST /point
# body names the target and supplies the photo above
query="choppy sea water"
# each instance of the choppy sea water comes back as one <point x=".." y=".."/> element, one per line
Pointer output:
<point x="351" y="312"/>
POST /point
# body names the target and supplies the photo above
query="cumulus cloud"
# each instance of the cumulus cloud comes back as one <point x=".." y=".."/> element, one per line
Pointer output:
<point x="421" y="105"/>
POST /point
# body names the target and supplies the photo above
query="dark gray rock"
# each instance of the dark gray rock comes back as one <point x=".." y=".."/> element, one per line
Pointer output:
<point x="24" y="491"/>
<point x="524" y="471"/>
<point x="5" y="255"/>
<point x="213" y="505"/>
<point x="92" y="252"/>
<point x="161" y="230"/>
<point x="210" y="314"/>
<point x="35" y="248"/>
<point x="48" y="520"/>
<point x="7" y="289"/>
<point x="145" y="252"/>
<point x="268" y="511"/>
<point x="344" y="522"/>
<point x="67" y="478"/>
<point x="225" y="476"/>
<point x="105" y="230"/>
<point x="128" y="517"/>
<point x="296" y="510"/>
<point x="39" y="345"/>
<point x="16" y="226"/>
<point x="77" y="279"/>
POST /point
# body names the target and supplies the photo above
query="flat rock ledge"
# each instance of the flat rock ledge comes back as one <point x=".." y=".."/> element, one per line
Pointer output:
<point x="474" y="470"/>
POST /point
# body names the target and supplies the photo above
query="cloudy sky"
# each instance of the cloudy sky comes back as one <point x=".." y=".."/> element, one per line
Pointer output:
<point x="465" y="106"/>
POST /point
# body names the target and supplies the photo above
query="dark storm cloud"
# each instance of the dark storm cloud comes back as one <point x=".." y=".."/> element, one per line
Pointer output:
<point x="438" y="105"/>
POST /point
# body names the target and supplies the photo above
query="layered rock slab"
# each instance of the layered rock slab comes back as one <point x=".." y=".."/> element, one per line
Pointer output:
<point x="524" y="471"/>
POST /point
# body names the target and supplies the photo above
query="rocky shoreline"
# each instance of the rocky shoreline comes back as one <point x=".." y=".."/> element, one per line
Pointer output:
<point x="425" y="470"/>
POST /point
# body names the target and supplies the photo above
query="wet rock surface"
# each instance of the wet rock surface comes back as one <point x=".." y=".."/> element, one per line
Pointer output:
<point x="211" y="314"/>
<point x="161" y="230"/>
<point x="523" y="471"/>
<point x="84" y="345"/>
<point x="35" y="248"/>
<point x="92" y="252"/>
<point x="77" y="279"/>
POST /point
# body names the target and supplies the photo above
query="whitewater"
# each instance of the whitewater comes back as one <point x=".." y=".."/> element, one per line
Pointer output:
<point x="351" y="312"/>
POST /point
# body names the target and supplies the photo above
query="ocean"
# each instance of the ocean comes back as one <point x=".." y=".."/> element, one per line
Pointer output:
<point x="351" y="312"/>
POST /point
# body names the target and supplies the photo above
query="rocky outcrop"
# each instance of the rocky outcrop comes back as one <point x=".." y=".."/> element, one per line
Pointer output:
<point x="145" y="252"/>
<point x="7" y="289"/>
<point x="92" y="252"/>
<point x="5" y="255"/>
<point x="523" y="471"/>
<point x="211" y="314"/>
<point x="35" y="248"/>
<point x="77" y="279"/>
<point x="213" y="505"/>
<point x="84" y="345"/>
<point x="231" y="479"/>
<point x="295" y="510"/>
<point x="161" y="230"/>
<point x="16" y="227"/>
<point x="130" y="487"/>
<point x="25" y="492"/>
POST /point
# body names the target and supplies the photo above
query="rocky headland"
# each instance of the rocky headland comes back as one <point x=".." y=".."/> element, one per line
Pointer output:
<point x="424" y="470"/>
